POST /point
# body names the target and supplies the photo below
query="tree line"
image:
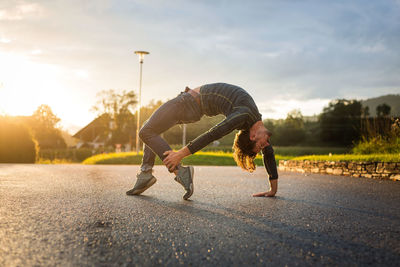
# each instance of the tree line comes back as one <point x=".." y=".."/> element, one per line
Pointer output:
<point x="21" y="137"/>
<point x="341" y="123"/>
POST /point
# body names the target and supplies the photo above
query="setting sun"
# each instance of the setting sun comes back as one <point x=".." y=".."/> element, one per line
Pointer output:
<point x="26" y="84"/>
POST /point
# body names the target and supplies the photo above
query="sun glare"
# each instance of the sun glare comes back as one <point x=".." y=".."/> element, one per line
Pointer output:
<point x="82" y="74"/>
<point x="26" y="84"/>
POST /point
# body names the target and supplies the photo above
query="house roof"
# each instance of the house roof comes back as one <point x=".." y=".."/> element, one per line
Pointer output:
<point x="94" y="129"/>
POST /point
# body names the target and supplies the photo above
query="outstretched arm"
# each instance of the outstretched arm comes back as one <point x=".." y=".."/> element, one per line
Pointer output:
<point x="230" y="123"/>
<point x="270" y="166"/>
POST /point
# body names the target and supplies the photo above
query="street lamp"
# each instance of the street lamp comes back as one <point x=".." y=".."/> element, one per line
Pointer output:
<point x="184" y="135"/>
<point x="141" y="57"/>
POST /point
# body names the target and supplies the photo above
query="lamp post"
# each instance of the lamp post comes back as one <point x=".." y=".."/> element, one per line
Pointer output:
<point x="184" y="135"/>
<point x="141" y="57"/>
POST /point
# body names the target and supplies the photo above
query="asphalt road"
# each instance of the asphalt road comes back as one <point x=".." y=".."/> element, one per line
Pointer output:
<point x="76" y="215"/>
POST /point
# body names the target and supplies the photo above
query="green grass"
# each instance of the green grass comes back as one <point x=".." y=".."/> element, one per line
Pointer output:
<point x="309" y="150"/>
<point x="211" y="157"/>
<point x="353" y="157"/>
<point x="200" y="158"/>
<point x="284" y="150"/>
<point x="54" y="161"/>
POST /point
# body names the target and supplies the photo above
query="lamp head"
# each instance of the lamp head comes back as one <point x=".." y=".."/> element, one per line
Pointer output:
<point x="141" y="55"/>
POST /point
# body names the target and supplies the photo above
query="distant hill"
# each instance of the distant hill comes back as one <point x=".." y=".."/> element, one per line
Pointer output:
<point x="392" y="100"/>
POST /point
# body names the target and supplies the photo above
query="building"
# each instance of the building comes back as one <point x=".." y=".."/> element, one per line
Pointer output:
<point x="96" y="133"/>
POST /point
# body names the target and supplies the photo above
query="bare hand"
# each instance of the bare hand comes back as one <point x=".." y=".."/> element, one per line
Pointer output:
<point x="265" y="194"/>
<point x="172" y="160"/>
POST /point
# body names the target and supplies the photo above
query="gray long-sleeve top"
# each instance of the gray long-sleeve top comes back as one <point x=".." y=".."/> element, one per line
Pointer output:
<point x="234" y="102"/>
<point x="241" y="113"/>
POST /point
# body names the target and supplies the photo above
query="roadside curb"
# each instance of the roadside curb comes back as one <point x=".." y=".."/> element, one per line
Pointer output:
<point x="375" y="170"/>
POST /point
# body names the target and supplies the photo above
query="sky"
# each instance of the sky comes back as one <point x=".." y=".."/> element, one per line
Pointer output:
<point x="287" y="54"/>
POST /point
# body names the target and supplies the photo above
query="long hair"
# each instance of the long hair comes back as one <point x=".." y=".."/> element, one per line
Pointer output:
<point x="243" y="152"/>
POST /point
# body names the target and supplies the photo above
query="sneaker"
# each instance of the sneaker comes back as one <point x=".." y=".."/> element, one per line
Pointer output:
<point x="143" y="182"/>
<point x="185" y="178"/>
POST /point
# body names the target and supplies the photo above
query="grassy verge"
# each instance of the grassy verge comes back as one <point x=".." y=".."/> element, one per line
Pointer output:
<point x="284" y="150"/>
<point x="67" y="155"/>
<point x="200" y="158"/>
<point x="54" y="161"/>
<point x="353" y="157"/>
<point x="63" y="156"/>
<point x="309" y="150"/>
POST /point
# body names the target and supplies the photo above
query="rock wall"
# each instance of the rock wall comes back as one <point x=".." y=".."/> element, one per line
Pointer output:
<point x="379" y="170"/>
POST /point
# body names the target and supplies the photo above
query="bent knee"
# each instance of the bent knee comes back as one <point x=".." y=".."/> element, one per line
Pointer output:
<point x="145" y="133"/>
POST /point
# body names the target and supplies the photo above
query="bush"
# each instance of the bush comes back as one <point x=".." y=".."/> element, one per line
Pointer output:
<point x="375" y="141"/>
<point x="377" y="145"/>
<point x="71" y="155"/>
<point x="16" y="143"/>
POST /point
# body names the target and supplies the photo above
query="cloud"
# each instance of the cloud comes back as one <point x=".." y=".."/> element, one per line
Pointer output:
<point x="5" y="40"/>
<point x="82" y="74"/>
<point x="278" y="108"/>
<point x="36" y="52"/>
<point x="277" y="50"/>
<point x="20" y="11"/>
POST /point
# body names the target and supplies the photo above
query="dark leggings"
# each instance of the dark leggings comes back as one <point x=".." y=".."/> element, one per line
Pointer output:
<point x="179" y="110"/>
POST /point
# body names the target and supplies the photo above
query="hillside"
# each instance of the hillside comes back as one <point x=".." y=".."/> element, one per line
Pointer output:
<point x="392" y="100"/>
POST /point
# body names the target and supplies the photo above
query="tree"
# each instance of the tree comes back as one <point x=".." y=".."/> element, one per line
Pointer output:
<point x="119" y="106"/>
<point x="383" y="110"/>
<point x="147" y="111"/>
<point x="295" y="119"/>
<point x="45" y="116"/>
<point x="365" y="111"/>
<point x="43" y="123"/>
<point x="289" y="131"/>
<point x="270" y="125"/>
<point x="112" y="103"/>
<point x="16" y="142"/>
<point x="340" y="122"/>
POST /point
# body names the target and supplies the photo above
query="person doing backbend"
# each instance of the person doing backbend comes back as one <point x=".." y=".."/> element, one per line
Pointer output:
<point x="189" y="106"/>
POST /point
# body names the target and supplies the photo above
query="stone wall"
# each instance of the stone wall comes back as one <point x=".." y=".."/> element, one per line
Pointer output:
<point x="379" y="170"/>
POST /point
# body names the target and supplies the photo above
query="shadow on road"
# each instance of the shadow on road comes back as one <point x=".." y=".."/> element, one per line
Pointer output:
<point x="326" y="205"/>
<point x="332" y="245"/>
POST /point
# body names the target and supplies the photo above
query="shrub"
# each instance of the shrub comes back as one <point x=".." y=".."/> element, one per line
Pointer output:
<point x="376" y="141"/>
<point x="64" y="155"/>
<point x="16" y="143"/>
